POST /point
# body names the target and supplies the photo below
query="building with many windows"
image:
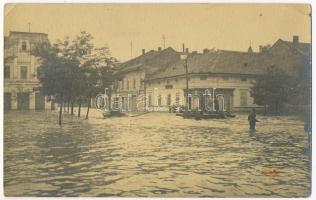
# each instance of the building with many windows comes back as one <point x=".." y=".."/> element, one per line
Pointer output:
<point x="221" y="75"/>
<point x="21" y="85"/>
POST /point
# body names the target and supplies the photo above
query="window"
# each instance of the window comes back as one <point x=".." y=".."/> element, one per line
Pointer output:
<point x="159" y="100"/>
<point x="127" y="85"/>
<point x="150" y="103"/>
<point x="243" y="79"/>
<point x="169" y="99"/>
<point x="226" y="78"/>
<point x="23" y="72"/>
<point x="203" y="77"/>
<point x="7" y="72"/>
<point x="169" y="86"/>
<point x="134" y="83"/>
<point x="23" y="46"/>
<point x="122" y="85"/>
<point x="243" y="97"/>
<point x="177" y="99"/>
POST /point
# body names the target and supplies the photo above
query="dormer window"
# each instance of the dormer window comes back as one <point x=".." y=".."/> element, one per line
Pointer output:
<point x="24" y="47"/>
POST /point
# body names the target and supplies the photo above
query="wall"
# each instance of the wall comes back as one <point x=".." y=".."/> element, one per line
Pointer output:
<point x="21" y="57"/>
<point x="158" y="87"/>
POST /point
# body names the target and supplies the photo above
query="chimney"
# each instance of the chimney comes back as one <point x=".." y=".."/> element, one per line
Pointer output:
<point x="143" y="51"/>
<point x="187" y="50"/>
<point x="295" y="39"/>
<point x="205" y="51"/>
<point x="183" y="48"/>
<point x="159" y="48"/>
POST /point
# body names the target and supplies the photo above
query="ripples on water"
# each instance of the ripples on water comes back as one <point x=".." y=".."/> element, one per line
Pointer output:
<point x="154" y="155"/>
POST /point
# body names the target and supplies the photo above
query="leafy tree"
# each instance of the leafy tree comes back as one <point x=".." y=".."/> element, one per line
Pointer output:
<point x="98" y="67"/>
<point x="74" y="70"/>
<point x="272" y="88"/>
<point x="54" y="73"/>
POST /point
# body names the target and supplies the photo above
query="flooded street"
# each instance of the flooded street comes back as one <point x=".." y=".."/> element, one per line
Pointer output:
<point x="154" y="155"/>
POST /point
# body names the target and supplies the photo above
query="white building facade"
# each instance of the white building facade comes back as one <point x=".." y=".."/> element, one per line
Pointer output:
<point x="21" y="85"/>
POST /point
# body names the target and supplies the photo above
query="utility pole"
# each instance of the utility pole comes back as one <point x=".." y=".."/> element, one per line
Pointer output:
<point x="187" y="82"/>
<point x="185" y="58"/>
<point x="29" y="26"/>
<point x="164" y="41"/>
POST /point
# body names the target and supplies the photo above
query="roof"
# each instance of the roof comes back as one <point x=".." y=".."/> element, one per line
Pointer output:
<point x="29" y="33"/>
<point x="150" y="61"/>
<point x="303" y="48"/>
<point x="218" y="62"/>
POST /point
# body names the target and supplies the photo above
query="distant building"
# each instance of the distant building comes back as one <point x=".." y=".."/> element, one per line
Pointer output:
<point x="130" y="86"/>
<point x="214" y="74"/>
<point x="21" y="86"/>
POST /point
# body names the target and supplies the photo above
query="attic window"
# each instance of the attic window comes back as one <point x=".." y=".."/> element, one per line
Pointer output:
<point x="169" y="86"/>
<point x="24" y="48"/>
<point x="245" y="64"/>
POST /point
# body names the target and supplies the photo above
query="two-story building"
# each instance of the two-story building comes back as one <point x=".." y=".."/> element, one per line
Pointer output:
<point x="21" y="85"/>
<point x="130" y="86"/>
<point x="221" y="75"/>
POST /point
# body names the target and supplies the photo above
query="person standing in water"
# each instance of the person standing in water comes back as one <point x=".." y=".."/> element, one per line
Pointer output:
<point x="252" y="119"/>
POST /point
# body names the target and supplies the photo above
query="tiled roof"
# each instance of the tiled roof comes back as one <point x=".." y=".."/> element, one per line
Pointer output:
<point x="218" y="62"/>
<point x="150" y="61"/>
<point x="303" y="48"/>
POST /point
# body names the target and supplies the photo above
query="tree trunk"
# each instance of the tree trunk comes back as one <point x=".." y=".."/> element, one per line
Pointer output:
<point x="72" y="108"/>
<point x="110" y="107"/>
<point x="60" y="113"/>
<point x="68" y="107"/>
<point x="64" y="104"/>
<point x="89" y="104"/>
<point x="79" y="108"/>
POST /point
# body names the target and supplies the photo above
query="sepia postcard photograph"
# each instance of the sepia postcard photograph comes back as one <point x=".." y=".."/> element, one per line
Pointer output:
<point x="157" y="100"/>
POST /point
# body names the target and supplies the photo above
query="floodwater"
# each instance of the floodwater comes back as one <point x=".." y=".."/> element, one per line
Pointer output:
<point x="154" y="155"/>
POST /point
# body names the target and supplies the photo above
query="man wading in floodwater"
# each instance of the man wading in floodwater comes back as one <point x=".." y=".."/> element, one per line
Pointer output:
<point x="252" y="119"/>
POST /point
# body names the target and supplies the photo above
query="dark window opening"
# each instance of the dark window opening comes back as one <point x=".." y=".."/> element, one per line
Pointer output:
<point x="23" y="72"/>
<point x="24" y="46"/>
<point x="169" y="86"/>
<point x="7" y="72"/>
<point x="169" y="99"/>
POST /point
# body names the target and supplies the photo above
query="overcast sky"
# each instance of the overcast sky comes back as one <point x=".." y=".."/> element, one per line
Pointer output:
<point x="199" y="26"/>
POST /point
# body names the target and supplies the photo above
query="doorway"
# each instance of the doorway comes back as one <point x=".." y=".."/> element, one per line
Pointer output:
<point x="23" y="100"/>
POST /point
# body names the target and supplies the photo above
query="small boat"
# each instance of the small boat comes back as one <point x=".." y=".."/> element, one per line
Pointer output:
<point x="202" y="115"/>
<point x="113" y="113"/>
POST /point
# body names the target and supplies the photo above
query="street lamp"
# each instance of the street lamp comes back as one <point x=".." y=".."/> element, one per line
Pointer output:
<point x="185" y="58"/>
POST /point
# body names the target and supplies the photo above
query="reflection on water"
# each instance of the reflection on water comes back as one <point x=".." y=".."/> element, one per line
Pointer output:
<point x="154" y="155"/>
